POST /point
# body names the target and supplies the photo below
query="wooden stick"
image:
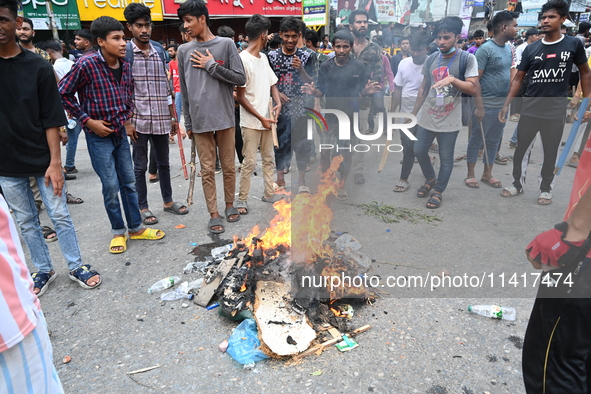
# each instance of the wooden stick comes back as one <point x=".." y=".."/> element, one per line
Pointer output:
<point x="144" y="369"/>
<point x="328" y="343"/>
<point x="193" y="172"/>
<point x="384" y="156"/>
<point x="273" y="125"/>
<point x="181" y="148"/>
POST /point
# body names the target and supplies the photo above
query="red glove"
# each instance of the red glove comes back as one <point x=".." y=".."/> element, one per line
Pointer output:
<point x="550" y="248"/>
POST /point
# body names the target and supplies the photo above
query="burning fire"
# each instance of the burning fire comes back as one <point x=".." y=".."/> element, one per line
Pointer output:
<point x="310" y="226"/>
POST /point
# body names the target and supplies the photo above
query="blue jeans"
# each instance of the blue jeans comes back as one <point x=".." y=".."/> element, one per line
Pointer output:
<point x="19" y="196"/>
<point x="291" y="135"/>
<point x="178" y="102"/>
<point x="111" y="159"/>
<point x="72" y="145"/>
<point x="493" y="132"/>
<point x="514" y="137"/>
<point x="447" y="142"/>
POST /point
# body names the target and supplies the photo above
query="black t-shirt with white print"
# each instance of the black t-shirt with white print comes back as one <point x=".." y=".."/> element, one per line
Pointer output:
<point x="550" y="66"/>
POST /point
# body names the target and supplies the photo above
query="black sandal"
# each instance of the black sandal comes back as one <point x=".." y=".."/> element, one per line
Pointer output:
<point x="41" y="281"/>
<point x="435" y="200"/>
<point x="426" y="188"/>
<point x="47" y="231"/>
<point x="82" y="274"/>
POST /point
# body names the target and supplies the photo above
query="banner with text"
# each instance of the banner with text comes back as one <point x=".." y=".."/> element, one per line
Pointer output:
<point x="92" y="9"/>
<point x="315" y="12"/>
<point x="65" y="12"/>
<point x="244" y="8"/>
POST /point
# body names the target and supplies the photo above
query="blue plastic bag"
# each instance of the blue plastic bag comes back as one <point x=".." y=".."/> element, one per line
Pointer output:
<point x="243" y="344"/>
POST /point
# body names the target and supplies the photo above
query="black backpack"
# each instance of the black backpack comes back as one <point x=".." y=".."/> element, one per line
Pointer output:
<point x="467" y="100"/>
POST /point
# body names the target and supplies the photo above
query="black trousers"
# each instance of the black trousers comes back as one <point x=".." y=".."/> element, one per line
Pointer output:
<point x="140" y="164"/>
<point x="551" y="132"/>
<point x="557" y="344"/>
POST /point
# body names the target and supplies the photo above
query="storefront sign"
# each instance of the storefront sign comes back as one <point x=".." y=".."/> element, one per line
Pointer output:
<point x="65" y="12"/>
<point x="315" y="12"/>
<point x="245" y="8"/>
<point x="92" y="9"/>
<point x="386" y="10"/>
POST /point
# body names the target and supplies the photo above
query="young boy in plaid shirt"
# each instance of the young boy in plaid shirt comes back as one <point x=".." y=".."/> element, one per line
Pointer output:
<point x="104" y="84"/>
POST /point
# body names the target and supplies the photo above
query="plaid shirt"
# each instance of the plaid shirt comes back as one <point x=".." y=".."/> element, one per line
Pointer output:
<point x="101" y="96"/>
<point x="151" y="114"/>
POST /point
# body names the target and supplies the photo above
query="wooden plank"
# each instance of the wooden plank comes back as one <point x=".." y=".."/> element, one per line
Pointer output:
<point x="322" y="346"/>
<point x="206" y="292"/>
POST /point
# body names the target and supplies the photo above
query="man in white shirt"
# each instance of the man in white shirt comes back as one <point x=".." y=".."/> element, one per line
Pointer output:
<point x="408" y="81"/>
<point x="255" y="119"/>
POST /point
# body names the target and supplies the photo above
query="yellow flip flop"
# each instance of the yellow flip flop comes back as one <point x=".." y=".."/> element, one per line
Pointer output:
<point x="149" y="233"/>
<point x="118" y="242"/>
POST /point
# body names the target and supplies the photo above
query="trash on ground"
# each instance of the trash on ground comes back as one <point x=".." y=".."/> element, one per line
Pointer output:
<point x="176" y="295"/>
<point x="244" y="344"/>
<point x="164" y="284"/>
<point x="222" y="251"/>
<point x="223" y="346"/>
<point x="144" y="369"/>
<point x="212" y="306"/>
<point x="493" y="311"/>
<point x="179" y="226"/>
<point x="67" y="359"/>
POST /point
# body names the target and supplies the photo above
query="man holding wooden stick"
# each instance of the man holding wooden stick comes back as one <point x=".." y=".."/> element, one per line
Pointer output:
<point x="256" y="118"/>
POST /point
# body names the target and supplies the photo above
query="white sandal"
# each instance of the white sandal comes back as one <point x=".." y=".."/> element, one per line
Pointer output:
<point x="545" y="198"/>
<point x="512" y="191"/>
<point x="402" y="185"/>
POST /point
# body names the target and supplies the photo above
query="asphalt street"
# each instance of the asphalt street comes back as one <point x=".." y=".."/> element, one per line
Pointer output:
<point x="423" y="340"/>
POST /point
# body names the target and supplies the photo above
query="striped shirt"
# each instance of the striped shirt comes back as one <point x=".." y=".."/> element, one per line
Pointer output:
<point x="151" y="95"/>
<point x="102" y="97"/>
<point x="18" y="304"/>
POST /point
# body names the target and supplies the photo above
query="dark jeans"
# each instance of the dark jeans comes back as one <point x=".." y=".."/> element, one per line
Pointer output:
<point x="291" y="135"/>
<point x="152" y="166"/>
<point x="408" y="158"/>
<point x="140" y="164"/>
<point x="376" y="106"/>
<point x="551" y="133"/>
<point x="447" y="143"/>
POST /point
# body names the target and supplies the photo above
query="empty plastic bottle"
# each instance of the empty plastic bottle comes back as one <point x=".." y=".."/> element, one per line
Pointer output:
<point x="493" y="311"/>
<point x="175" y="295"/>
<point x="164" y="284"/>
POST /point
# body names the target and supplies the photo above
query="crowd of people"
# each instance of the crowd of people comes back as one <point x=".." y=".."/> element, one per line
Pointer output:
<point x="130" y="97"/>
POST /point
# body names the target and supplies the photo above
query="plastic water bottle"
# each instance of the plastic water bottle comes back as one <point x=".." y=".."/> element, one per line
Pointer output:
<point x="493" y="311"/>
<point x="175" y="295"/>
<point x="164" y="284"/>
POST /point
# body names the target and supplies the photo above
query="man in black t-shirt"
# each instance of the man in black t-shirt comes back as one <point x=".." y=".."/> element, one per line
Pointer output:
<point x="341" y="80"/>
<point x="30" y="148"/>
<point x="549" y="63"/>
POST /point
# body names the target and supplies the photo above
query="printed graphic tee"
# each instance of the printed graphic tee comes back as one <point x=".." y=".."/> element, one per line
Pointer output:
<point x="444" y="113"/>
<point x="550" y="66"/>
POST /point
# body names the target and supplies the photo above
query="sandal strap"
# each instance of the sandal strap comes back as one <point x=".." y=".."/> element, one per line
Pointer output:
<point x="40" y="279"/>
<point x="83" y="273"/>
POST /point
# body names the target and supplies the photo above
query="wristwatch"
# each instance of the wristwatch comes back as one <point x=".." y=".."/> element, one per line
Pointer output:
<point x="173" y="119"/>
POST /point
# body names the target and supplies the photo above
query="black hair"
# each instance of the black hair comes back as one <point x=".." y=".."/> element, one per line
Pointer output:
<point x="103" y="25"/>
<point x="84" y="33"/>
<point x="479" y="33"/>
<point x="51" y="45"/>
<point x="353" y="14"/>
<point x="450" y="24"/>
<point x="182" y="28"/>
<point x="174" y="46"/>
<point x="344" y="35"/>
<point x="489" y="25"/>
<point x="502" y="18"/>
<point x="256" y="26"/>
<point x="404" y="38"/>
<point x="196" y="8"/>
<point x="226" y="31"/>
<point x="12" y="6"/>
<point x="584" y="27"/>
<point x="420" y="39"/>
<point x="531" y="32"/>
<point x="312" y="36"/>
<point x="135" y="11"/>
<point x="71" y="42"/>
<point x="275" y="42"/>
<point x="29" y="21"/>
<point x="289" y="23"/>
<point x="560" y="6"/>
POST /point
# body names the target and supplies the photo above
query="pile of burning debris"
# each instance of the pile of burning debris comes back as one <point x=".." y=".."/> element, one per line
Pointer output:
<point x="290" y="277"/>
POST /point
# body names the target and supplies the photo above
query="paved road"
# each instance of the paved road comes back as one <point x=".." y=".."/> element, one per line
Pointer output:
<point x="421" y="340"/>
